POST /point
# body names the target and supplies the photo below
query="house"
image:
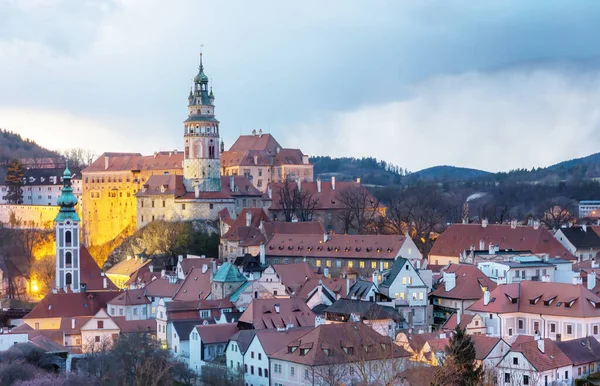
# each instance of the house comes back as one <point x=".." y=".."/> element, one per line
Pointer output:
<point x="364" y="290"/>
<point x="383" y="319"/>
<point x="99" y="333"/>
<point x="226" y="281"/>
<point x="284" y="279"/>
<point x="472" y="324"/>
<point x="130" y="304"/>
<point x="589" y="208"/>
<point x="362" y="253"/>
<point x="534" y="362"/>
<point x="523" y="267"/>
<point x="342" y="351"/>
<point x="582" y="241"/>
<point x="276" y="313"/>
<point x="121" y="272"/>
<point x="264" y="344"/>
<point x="180" y="341"/>
<point x="236" y="349"/>
<point x="244" y="235"/>
<point x="458" y="238"/>
<point x="250" y="290"/>
<point x="196" y="285"/>
<point x="407" y="291"/>
<point x="207" y="343"/>
<point x="556" y="311"/>
<point x="162" y="289"/>
<point x="461" y="286"/>
<point x="584" y="353"/>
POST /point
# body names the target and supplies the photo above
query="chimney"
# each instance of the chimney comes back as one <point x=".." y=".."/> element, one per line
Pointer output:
<point x="104" y="283"/>
<point x="151" y="267"/>
<point x="106" y="162"/>
<point x="73" y="324"/>
<point x="325" y="237"/>
<point x="163" y="273"/>
<point x="486" y="298"/>
<point x="263" y="261"/>
<point x="300" y="185"/>
<point x="326" y="272"/>
<point x="255" y="159"/>
<point x="259" y="133"/>
<point x="248" y="218"/>
<point x="254" y="133"/>
<point x="457" y="317"/>
<point x="213" y="267"/>
<point x="513" y="224"/>
<point x="376" y="278"/>
<point x="418" y="264"/>
<point x="584" y="227"/>
<point x="540" y="343"/>
<point x="591" y="280"/>
<point x="270" y="192"/>
<point x="180" y="258"/>
<point x="449" y="280"/>
<point x="305" y="159"/>
<point x="276" y="308"/>
<point x="484" y="223"/>
<point x="481" y="245"/>
<point x="577" y="280"/>
<point x="333" y="183"/>
<point x="594" y="263"/>
<point x="232" y="183"/>
<point x="492" y="249"/>
<point x="196" y="191"/>
<point x="318" y="185"/>
<point x="204" y="268"/>
<point x="536" y="224"/>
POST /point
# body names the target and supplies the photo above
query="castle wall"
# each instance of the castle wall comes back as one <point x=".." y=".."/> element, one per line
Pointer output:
<point x="38" y="216"/>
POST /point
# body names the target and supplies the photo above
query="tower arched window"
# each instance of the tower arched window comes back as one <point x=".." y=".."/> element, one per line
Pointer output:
<point x="68" y="238"/>
<point x="68" y="259"/>
<point x="68" y="279"/>
<point x="211" y="151"/>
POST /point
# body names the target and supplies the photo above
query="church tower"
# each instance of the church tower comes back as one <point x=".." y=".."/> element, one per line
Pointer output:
<point x="201" y="164"/>
<point x="67" y="239"/>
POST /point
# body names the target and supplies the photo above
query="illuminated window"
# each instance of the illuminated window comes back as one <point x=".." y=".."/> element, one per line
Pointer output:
<point x="402" y="295"/>
<point x="350" y="264"/>
<point x="386" y="265"/>
<point x="318" y="263"/>
<point x="404" y="280"/>
<point x="329" y="263"/>
<point x="421" y="295"/>
<point x="362" y="264"/>
<point x="373" y="264"/>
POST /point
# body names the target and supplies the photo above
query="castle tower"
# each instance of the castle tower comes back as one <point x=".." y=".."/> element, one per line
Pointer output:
<point x="201" y="164"/>
<point x="67" y="239"/>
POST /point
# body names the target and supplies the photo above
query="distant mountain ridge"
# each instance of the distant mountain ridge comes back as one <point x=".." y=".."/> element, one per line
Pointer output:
<point x="446" y="173"/>
<point x="13" y="146"/>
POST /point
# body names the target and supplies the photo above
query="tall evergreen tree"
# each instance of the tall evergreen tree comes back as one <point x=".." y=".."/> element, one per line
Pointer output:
<point x="459" y="368"/>
<point x="15" y="174"/>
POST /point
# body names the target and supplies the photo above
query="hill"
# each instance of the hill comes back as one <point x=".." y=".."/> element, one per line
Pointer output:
<point x="445" y="173"/>
<point x="13" y="146"/>
<point x="369" y="170"/>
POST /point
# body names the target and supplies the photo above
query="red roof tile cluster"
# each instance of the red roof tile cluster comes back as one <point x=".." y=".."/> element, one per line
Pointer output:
<point x="535" y="297"/>
<point x="340" y="343"/>
<point x="172" y="185"/>
<point x="131" y="326"/>
<point x="273" y="340"/>
<point x="163" y="185"/>
<point x="278" y="313"/>
<point x="551" y="358"/>
<point x="70" y="304"/>
<point x="162" y="287"/>
<point x="470" y="282"/>
<point x="263" y="142"/>
<point x="484" y="345"/>
<point x="294" y="275"/>
<point x="336" y="246"/>
<point x="260" y="150"/>
<point x="72" y="325"/>
<point x="128" y="266"/>
<point x="216" y="333"/>
<point x="130" y="298"/>
<point x="196" y="286"/>
<point x="163" y="160"/>
<point x="460" y="237"/>
<point x="450" y="324"/>
<point x="327" y="198"/>
<point x="91" y="275"/>
<point x="336" y="285"/>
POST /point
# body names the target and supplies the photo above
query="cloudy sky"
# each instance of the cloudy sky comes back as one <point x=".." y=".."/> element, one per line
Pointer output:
<point x="489" y="85"/>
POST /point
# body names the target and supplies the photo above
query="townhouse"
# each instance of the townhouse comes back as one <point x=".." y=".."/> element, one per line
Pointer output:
<point x="582" y="241"/>
<point x="207" y="344"/>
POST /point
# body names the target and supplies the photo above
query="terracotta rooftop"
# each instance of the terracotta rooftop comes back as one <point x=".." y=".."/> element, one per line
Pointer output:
<point x="336" y="285"/>
<point x="162" y="287"/>
<point x="128" y="267"/>
<point x="366" y="310"/>
<point x="416" y="341"/>
<point x="129" y="326"/>
<point x="91" y="275"/>
<point x="263" y="313"/>
<point x="339" y="343"/>
<point x="551" y="358"/>
<point x="536" y="297"/>
<point x="483" y="345"/>
<point x="72" y="325"/>
<point x="70" y="304"/>
<point x="273" y="340"/>
<point x="294" y="275"/>
<point x="259" y="150"/>
<point x="327" y="198"/>
<point x="130" y="298"/>
<point x="336" y="246"/>
<point x="161" y="184"/>
<point x="470" y="282"/>
<point x="460" y="237"/>
<point x="450" y="324"/>
<point x="163" y="160"/>
<point x="265" y="142"/>
<point x="196" y="285"/>
<point x="189" y="263"/>
<point x="216" y="333"/>
<point x="243" y="338"/>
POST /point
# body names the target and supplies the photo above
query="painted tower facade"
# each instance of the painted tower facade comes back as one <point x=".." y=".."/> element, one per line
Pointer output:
<point x="67" y="239"/>
<point x="201" y="163"/>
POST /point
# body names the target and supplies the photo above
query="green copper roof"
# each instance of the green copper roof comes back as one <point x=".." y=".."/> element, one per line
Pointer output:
<point x="396" y="268"/>
<point x="201" y="77"/>
<point x="228" y="273"/>
<point x="201" y="118"/>
<point x="236" y="294"/>
<point x="67" y="200"/>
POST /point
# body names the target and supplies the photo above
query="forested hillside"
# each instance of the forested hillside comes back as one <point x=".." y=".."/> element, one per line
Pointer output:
<point x="13" y="146"/>
<point x="370" y="170"/>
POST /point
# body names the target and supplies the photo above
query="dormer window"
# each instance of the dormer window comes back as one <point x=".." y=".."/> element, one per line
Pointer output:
<point x="304" y="351"/>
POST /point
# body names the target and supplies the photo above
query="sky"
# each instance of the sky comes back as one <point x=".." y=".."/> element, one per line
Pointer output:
<point x="493" y="85"/>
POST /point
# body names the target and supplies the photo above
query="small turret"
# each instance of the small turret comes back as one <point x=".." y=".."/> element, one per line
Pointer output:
<point x="222" y="146"/>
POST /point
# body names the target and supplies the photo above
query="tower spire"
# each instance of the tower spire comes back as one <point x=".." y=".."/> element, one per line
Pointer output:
<point x="67" y="200"/>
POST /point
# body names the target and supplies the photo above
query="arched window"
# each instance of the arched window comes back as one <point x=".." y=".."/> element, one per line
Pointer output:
<point x="69" y="279"/>
<point x="68" y="259"/>
<point x="68" y="237"/>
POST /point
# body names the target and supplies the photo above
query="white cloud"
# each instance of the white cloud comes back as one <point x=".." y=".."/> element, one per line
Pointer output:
<point x="493" y="121"/>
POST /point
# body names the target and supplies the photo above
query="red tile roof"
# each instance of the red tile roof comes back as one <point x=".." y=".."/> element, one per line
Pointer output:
<point x="294" y="275"/>
<point x="327" y="198"/>
<point x="128" y="266"/>
<point x="163" y="160"/>
<point x="239" y="230"/>
<point x="216" y="333"/>
<point x="129" y="326"/>
<point x="460" y="237"/>
<point x="518" y="297"/>
<point x="337" y="246"/>
<point x="336" y="285"/>
<point x="70" y="304"/>
<point x="469" y="283"/>
<point x="161" y="287"/>
<point x="264" y="142"/>
<point x="160" y="184"/>
<point x="91" y="275"/>
<point x="312" y="349"/>
<point x="273" y="340"/>
<point x="265" y="148"/>
<point x="262" y="313"/>
<point x="189" y="263"/>
<point x="551" y="358"/>
<point x="483" y="345"/>
<point x="450" y="324"/>
<point x="130" y="298"/>
<point x="196" y="285"/>
<point x="69" y="328"/>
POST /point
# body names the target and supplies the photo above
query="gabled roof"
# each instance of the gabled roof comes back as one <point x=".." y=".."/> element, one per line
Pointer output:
<point x="130" y="326"/>
<point x="294" y="275"/>
<point x="460" y="237"/>
<point x="336" y="285"/>
<point x="128" y="266"/>
<point x="163" y="160"/>
<point x="243" y="338"/>
<point x="90" y="273"/>
<point x="484" y="345"/>
<point x="581" y="237"/>
<point x="70" y="304"/>
<point x="162" y="184"/>
<point x="228" y="273"/>
<point x="394" y="271"/>
<point x="257" y="216"/>
<point x="162" y="287"/>
<point x="216" y="333"/>
<point x="273" y="340"/>
<point x="196" y="285"/>
<point x="327" y="198"/>
<point x="366" y="310"/>
<point x="552" y="357"/>
<point x="185" y="327"/>
<point x="265" y="142"/>
<point x="339" y="343"/>
<point x="559" y="299"/>
<point x="469" y="283"/>
<point x="262" y="313"/>
<point x="189" y="263"/>
<point x="361" y="288"/>
<point x="582" y="350"/>
<point x="450" y="324"/>
<point x="130" y="298"/>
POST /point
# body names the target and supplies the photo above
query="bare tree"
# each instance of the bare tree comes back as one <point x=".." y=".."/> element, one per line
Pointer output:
<point x="79" y="157"/>
<point x="221" y="375"/>
<point x="42" y="274"/>
<point x="555" y="213"/>
<point x="360" y="212"/>
<point x="296" y="203"/>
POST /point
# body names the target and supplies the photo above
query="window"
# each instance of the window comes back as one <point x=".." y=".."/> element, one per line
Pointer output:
<point x="510" y="332"/>
<point x="206" y="314"/>
<point x="68" y="259"/>
<point x="277" y="368"/>
<point x="252" y="370"/>
<point x="306" y="373"/>
<point x="386" y="265"/>
<point x="350" y="264"/>
<point x="421" y="296"/>
<point x="515" y="360"/>
<point x="135" y="311"/>
<point x="338" y="263"/>
<point x="596" y="330"/>
<point x="374" y="264"/>
<point x="100" y="324"/>
<point x="506" y="377"/>
<point x="164" y="203"/>
<point x="69" y="279"/>
<point x="552" y="327"/>
<point x="211" y="206"/>
<point x="68" y="237"/>
<point x="252" y="354"/>
<point x="318" y="263"/>
<point x="567" y="374"/>
<point x="182" y="206"/>
<point x="521" y="324"/>
<point x="259" y="356"/>
<point x="37" y="325"/>
<point x="569" y="329"/>
<point x="328" y="263"/>
<point x="266" y="373"/>
<point x="414" y="296"/>
<point x="404" y="280"/>
<point x="526" y="379"/>
<point x="397" y="295"/>
<point x="97" y="339"/>
<point x="362" y="264"/>
<point x="153" y="203"/>
<point x="246" y="369"/>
